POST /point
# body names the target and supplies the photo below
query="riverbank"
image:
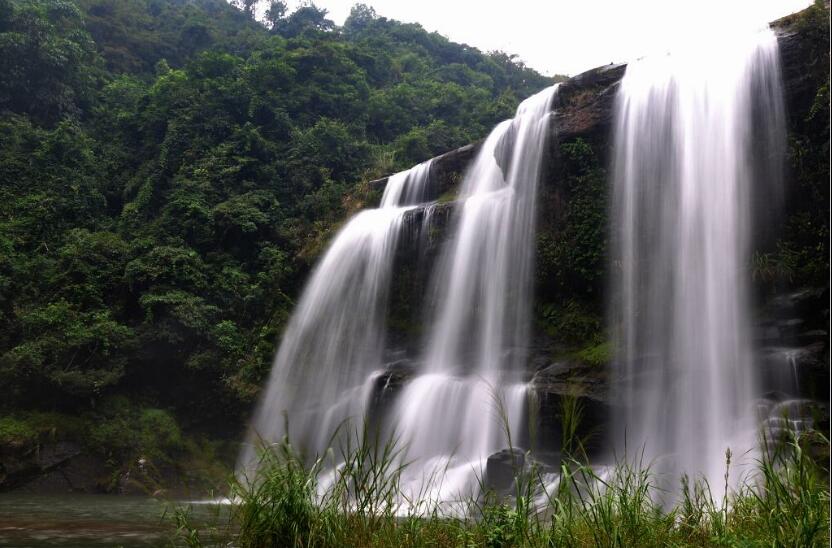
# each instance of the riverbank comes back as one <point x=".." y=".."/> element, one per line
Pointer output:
<point x="119" y="448"/>
<point x="784" y="502"/>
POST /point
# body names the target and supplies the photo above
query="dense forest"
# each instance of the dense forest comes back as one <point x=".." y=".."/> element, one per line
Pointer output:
<point x="169" y="170"/>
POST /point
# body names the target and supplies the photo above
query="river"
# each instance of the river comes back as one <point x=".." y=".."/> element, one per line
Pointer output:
<point x="96" y="520"/>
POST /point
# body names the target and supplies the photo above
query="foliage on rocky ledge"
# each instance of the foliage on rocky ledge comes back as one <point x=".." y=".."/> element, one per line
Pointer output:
<point x="801" y="256"/>
<point x="572" y="247"/>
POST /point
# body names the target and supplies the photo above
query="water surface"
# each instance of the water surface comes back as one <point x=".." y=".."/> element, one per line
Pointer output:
<point x="92" y="520"/>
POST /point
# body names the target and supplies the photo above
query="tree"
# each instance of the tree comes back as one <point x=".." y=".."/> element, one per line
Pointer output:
<point x="249" y="7"/>
<point x="360" y="17"/>
<point x="307" y="18"/>
<point x="276" y="12"/>
<point x="160" y="210"/>
<point x="47" y="59"/>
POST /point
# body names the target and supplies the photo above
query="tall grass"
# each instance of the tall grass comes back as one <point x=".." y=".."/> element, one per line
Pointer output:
<point x="353" y="497"/>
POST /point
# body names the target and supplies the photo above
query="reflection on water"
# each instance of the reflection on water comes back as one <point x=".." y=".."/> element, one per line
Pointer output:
<point x="91" y="520"/>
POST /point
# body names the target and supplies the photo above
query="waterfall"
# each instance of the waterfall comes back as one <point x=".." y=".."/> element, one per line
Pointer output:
<point x="469" y="387"/>
<point x="453" y="415"/>
<point x="323" y="374"/>
<point x="698" y="141"/>
<point x="697" y="158"/>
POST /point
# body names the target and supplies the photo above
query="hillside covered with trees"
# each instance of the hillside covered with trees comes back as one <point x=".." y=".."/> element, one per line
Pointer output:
<point x="169" y="170"/>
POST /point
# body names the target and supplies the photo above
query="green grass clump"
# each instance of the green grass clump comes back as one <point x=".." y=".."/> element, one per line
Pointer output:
<point x="295" y="502"/>
<point x="278" y="508"/>
<point x="448" y="196"/>
<point x="596" y="355"/>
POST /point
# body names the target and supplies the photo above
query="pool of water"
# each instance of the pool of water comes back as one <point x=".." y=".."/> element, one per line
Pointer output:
<point x="94" y="520"/>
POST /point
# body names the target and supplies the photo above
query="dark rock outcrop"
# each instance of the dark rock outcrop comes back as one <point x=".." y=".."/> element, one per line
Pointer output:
<point x="799" y="51"/>
<point x="21" y="463"/>
<point x="585" y="104"/>
<point x="425" y="224"/>
<point x="446" y="170"/>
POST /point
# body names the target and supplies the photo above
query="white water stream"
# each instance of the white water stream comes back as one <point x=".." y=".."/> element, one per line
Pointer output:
<point x="322" y="376"/>
<point x="698" y="137"/>
<point x="470" y="391"/>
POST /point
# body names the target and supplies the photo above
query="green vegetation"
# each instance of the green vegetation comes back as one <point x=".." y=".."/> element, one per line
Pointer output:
<point x="572" y="251"/>
<point x="572" y="322"/>
<point x="127" y="440"/>
<point x="597" y="355"/>
<point x="286" y="505"/>
<point x="27" y="428"/>
<point x="169" y="169"/>
<point x="801" y="256"/>
<point x="14" y="431"/>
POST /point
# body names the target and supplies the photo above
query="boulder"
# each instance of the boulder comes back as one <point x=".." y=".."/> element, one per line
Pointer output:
<point x="502" y="467"/>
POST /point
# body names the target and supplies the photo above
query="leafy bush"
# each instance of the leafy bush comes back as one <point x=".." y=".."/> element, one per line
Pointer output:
<point x="125" y="432"/>
<point x="572" y="322"/>
<point x="14" y="431"/>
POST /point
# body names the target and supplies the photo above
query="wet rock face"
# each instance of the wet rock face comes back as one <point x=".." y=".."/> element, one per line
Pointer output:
<point x="425" y="231"/>
<point x="425" y="228"/>
<point x="390" y="382"/>
<point x="783" y="420"/>
<point x="567" y="391"/>
<point x="798" y="56"/>
<point x="792" y="334"/>
<point x="800" y="370"/>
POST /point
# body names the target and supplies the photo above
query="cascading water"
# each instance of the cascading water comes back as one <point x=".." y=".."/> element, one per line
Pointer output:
<point x="453" y="415"/>
<point x="323" y="374"/>
<point x="699" y="136"/>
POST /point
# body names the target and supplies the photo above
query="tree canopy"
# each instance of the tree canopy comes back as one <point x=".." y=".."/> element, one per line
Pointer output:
<point x="169" y="169"/>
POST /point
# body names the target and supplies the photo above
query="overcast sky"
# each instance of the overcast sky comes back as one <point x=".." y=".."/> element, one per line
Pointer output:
<point x="570" y="36"/>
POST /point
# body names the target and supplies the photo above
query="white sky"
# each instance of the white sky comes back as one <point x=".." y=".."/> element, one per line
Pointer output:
<point x="571" y="36"/>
